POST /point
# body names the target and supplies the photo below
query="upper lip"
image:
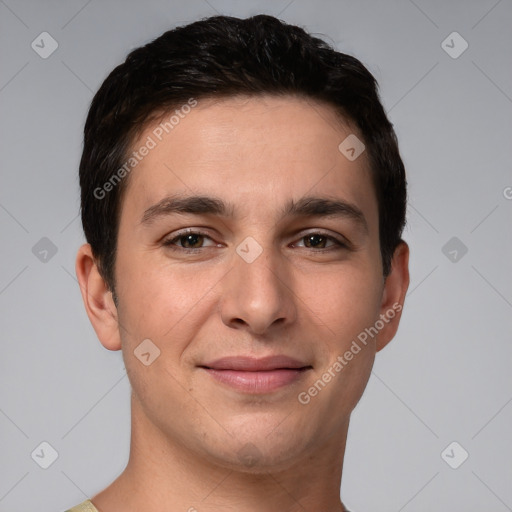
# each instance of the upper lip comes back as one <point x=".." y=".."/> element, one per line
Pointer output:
<point x="252" y="364"/>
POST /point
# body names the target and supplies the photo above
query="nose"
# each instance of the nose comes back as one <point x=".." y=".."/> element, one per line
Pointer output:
<point x="258" y="296"/>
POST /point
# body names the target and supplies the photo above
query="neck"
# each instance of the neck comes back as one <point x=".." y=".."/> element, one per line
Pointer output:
<point x="163" y="471"/>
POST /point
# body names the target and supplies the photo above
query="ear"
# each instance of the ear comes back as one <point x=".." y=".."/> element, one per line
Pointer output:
<point x="393" y="295"/>
<point x="97" y="298"/>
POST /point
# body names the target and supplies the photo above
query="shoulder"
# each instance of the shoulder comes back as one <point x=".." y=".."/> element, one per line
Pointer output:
<point x="85" y="506"/>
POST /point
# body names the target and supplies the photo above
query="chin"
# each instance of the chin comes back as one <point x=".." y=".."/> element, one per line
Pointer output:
<point x="259" y="453"/>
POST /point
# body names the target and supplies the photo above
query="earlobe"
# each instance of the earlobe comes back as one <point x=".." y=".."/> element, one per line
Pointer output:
<point x="393" y="296"/>
<point x="97" y="298"/>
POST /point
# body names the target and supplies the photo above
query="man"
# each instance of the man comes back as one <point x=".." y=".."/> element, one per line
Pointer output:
<point x="243" y="199"/>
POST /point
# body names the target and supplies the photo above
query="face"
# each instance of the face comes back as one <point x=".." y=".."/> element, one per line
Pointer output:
<point x="277" y="268"/>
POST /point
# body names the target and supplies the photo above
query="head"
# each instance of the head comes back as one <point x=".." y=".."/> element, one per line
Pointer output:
<point x="249" y="116"/>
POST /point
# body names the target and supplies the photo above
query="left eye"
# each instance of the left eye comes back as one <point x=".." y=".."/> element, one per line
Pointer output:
<point x="314" y="240"/>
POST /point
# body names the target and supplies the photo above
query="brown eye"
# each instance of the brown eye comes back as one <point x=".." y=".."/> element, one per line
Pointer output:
<point x="319" y="240"/>
<point x="315" y="241"/>
<point x="188" y="241"/>
<point x="191" y="240"/>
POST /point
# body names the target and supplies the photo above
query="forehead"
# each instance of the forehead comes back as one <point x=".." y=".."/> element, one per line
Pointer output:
<point x="258" y="149"/>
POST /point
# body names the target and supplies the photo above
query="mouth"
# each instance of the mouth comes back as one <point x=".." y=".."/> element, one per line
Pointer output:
<point x="251" y="375"/>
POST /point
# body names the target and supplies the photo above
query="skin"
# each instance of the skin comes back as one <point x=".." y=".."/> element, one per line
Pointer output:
<point x="308" y="302"/>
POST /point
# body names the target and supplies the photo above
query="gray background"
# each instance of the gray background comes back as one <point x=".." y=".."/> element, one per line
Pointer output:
<point x="445" y="377"/>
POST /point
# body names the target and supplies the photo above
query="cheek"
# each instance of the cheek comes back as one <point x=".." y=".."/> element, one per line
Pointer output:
<point x="169" y="306"/>
<point x="155" y="295"/>
<point x="346" y="299"/>
<point x="346" y="304"/>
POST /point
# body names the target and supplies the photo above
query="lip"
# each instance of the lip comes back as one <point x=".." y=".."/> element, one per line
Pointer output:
<point x="253" y="375"/>
<point x="253" y="364"/>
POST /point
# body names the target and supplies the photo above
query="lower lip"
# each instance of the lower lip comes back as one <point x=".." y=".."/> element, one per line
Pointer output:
<point x="257" y="382"/>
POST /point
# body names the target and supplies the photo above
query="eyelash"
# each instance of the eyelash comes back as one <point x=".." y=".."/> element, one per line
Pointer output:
<point x="170" y="242"/>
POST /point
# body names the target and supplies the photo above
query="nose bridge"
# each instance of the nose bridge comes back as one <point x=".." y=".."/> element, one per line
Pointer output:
<point x="260" y="271"/>
<point x="256" y="291"/>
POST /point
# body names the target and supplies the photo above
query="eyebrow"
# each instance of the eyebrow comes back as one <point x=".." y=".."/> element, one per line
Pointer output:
<point x="304" y="207"/>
